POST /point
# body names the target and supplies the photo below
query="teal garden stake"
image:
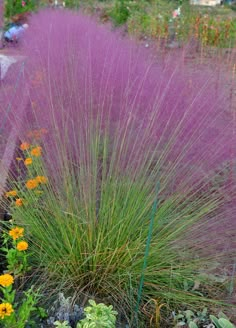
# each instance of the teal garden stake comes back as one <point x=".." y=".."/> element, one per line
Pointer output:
<point x="149" y="237"/>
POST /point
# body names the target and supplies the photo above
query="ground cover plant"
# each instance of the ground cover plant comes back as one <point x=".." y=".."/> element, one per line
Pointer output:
<point x="125" y="170"/>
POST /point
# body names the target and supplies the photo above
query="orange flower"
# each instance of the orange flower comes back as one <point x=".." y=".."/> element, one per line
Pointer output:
<point x="37" y="151"/>
<point x="28" y="161"/>
<point x="11" y="193"/>
<point x="6" y="309"/>
<point x="32" y="184"/>
<point x="6" y="280"/>
<point x="22" y="246"/>
<point x="16" y="232"/>
<point x="24" y="146"/>
<point x="19" y="202"/>
<point x="37" y="134"/>
<point x="41" y="179"/>
<point x="34" y="134"/>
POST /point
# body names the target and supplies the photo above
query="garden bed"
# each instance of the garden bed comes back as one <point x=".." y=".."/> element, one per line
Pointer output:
<point x="116" y="138"/>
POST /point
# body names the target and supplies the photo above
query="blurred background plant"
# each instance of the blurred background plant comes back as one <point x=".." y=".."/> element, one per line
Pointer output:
<point x="151" y="19"/>
<point x="192" y="319"/>
<point x="16" y="7"/>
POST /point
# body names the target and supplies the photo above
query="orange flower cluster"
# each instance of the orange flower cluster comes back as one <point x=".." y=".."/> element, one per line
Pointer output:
<point x="16" y="233"/>
<point x="22" y="246"/>
<point x="19" y="202"/>
<point x="41" y="179"/>
<point x="37" y="134"/>
<point x="37" y="151"/>
<point x="28" y="161"/>
<point x="32" y="184"/>
<point x="24" y="146"/>
<point x="7" y="279"/>
<point x="11" y="193"/>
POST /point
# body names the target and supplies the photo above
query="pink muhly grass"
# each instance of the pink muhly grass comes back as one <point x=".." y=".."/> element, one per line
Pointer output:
<point x="119" y="120"/>
<point x="92" y="73"/>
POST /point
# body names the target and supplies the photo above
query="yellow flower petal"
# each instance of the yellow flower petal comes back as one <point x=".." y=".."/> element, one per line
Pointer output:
<point x="24" y="146"/>
<point x="6" y="280"/>
<point x="6" y="309"/>
<point x="32" y="184"/>
<point x="16" y="232"/>
<point x="22" y="246"/>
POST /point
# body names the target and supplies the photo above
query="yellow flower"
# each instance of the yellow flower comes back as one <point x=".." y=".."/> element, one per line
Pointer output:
<point x="11" y="193"/>
<point x="41" y="179"/>
<point x="19" y="202"/>
<point x="6" y="280"/>
<point x="6" y="309"/>
<point x="37" y="151"/>
<point x="24" y="146"/>
<point x="22" y="246"/>
<point x="28" y="161"/>
<point x="32" y="184"/>
<point x="16" y="232"/>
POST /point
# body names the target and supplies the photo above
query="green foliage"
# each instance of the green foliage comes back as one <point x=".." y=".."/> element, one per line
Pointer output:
<point x="20" y="309"/>
<point x="73" y="3"/>
<point x="64" y="324"/>
<point x="13" y="7"/>
<point x="152" y="19"/>
<point x="191" y="318"/>
<point x="98" y="316"/>
<point x="106" y="255"/>
<point x="202" y="318"/>
<point x="209" y="30"/>
<point x="221" y="322"/>
<point x="120" y="12"/>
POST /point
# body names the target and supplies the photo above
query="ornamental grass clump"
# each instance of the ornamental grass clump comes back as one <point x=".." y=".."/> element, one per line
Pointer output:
<point x="138" y="161"/>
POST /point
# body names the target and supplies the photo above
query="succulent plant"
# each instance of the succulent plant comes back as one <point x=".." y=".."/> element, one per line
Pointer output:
<point x="221" y="322"/>
<point x="64" y="311"/>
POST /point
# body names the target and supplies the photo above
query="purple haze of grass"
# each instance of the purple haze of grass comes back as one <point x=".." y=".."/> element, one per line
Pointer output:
<point x="164" y="120"/>
<point x="79" y="70"/>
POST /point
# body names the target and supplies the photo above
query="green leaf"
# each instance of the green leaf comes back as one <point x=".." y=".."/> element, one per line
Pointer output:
<point x="192" y="324"/>
<point x="224" y="323"/>
<point x="42" y="312"/>
<point x="222" y="315"/>
<point x="215" y="321"/>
